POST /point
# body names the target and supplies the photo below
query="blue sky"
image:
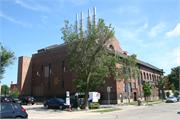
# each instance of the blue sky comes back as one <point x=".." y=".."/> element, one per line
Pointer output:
<point x="150" y="29"/>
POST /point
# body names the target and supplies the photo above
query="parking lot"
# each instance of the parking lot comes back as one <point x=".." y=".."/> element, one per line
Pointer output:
<point x="39" y="111"/>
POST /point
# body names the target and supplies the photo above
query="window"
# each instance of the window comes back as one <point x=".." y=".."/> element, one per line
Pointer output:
<point x="111" y="47"/>
<point x="154" y="78"/>
<point x="129" y="87"/>
<point x="46" y="71"/>
<point x="137" y="80"/>
<point x="150" y="76"/>
<point x="49" y="85"/>
<point x="144" y="75"/>
<point x="141" y="78"/>
<point x="62" y="84"/>
<point x="41" y="68"/>
<point x="134" y="85"/>
<point x="147" y="76"/>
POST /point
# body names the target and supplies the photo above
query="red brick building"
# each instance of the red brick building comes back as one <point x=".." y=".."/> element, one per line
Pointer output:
<point x="46" y="74"/>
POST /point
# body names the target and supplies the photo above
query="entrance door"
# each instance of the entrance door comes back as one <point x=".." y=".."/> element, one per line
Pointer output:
<point x="135" y="99"/>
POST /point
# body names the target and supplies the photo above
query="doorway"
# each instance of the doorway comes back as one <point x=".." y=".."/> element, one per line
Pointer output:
<point x="135" y="98"/>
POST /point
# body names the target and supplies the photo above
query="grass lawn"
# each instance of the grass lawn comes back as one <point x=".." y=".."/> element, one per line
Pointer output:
<point x="145" y="102"/>
<point x="107" y="110"/>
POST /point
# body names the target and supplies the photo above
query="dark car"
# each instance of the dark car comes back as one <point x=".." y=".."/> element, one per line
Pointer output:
<point x="12" y="110"/>
<point x="16" y="100"/>
<point x="55" y="103"/>
<point x="178" y="97"/>
<point x="6" y="99"/>
<point x="27" y="100"/>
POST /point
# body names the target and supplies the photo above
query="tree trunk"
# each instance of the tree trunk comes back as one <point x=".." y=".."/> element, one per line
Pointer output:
<point x="86" y="100"/>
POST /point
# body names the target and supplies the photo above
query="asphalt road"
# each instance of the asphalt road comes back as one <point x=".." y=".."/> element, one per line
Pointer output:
<point x="159" y="111"/>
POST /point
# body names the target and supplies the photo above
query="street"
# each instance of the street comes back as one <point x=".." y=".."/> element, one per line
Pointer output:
<point x="159" y="111"/>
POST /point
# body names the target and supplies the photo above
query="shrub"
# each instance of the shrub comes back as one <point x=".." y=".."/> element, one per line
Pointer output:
<point x="168" y="94"/>
<point x="14" y="94"/>
<point x="94" y="105"/>
<point x="176" y="93"/>
<point x="82" y="106"/>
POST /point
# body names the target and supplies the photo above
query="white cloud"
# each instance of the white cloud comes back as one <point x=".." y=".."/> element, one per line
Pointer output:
<point x="14" y="21"/>
<point x="144" y="27"/>
<point x="174" y="33"/>
<point x="157" y="29"/>
<point x="175" y="55"/>
<point x="35" y="6"/>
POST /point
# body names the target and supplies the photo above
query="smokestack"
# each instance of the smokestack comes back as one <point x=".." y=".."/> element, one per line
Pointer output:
<point x="88" y="19"/>
<point x="94" y="16"/>
<point x="82" y="21"/>
<point x="77" y="23"/>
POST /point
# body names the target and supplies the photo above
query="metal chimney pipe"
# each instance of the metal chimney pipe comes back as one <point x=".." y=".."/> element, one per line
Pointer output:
<point x="77" y="23"/>
<point x="94" y="16"/>
<point x="82" y="21"/>
<point x="88" y="19"/>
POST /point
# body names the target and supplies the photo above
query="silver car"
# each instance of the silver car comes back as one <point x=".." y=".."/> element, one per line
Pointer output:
<point x="171" y="99"/>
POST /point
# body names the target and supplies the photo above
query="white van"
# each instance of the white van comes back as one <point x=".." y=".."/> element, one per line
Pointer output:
<point x="93" y="96"/>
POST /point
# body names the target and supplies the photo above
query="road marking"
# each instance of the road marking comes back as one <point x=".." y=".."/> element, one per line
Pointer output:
<point x="164" y="114"/>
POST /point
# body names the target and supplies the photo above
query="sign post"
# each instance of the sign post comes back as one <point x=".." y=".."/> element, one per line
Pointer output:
<point x="108" y="90"/>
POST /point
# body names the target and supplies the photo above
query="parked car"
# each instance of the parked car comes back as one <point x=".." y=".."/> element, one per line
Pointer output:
<point x="55" y="103"/>
<point x="171" y="99"/>
<point x="178" y="97"/>
<point x="6" y="99"/>
<point x="27" y="100"/>
<point x="12" y="110"/>
<point x="16" y="100"/>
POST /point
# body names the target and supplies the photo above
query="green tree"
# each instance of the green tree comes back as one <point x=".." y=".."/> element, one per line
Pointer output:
<point x="89" y="56"/>
<point x="147" y="90"/>
<point x="172" y="87"/>
<point x="4" y="90"/>
<point x="162" y="84"/>
<point x="7" y="58"/>
<point x="176" y="93"/>
<point x="14" y="94"/>
<point x="174" y="77"/>
<point x="168" y="94"/>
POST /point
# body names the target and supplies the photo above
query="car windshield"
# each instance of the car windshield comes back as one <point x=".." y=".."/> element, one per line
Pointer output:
<point x="170" y="97"/>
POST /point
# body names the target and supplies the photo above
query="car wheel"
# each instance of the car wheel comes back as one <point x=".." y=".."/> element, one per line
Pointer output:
<point x="32" y="103"/>
<point x="25" y="103"/>
<point x="47" y="106"/>
<point x="60" y="107"/>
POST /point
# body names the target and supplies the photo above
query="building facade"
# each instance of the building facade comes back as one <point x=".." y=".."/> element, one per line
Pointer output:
<point x="46" y="75"/>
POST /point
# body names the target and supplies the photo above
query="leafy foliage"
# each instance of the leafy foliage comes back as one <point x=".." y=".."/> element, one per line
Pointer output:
<point x="7" y="58"/>
<point x="174" y="77"/>
<point x="176" y="93"/>
<point x="94" y="105"/>
<point x="15" y="94"/>
<point x="172" y="87"/>
<point x="147" y="90"/>
<point x="162" y="84"/>
<point x="168" y="94"/>
<point x="3" y="89"/>
<point x="89" y="57"/>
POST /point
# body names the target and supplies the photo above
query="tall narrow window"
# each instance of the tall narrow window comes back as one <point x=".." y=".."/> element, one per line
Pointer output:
<point x="137" y="80"/>
<point x="141" y="78"/>
<point x="129" y="87"/>
<point x="150" y="76"/>
<point x="147" y="76"/>
<point x="124" y="85"/>
<point x="134" y="85"/>
<point x="49" y="85"/>
<point x="49" y="66"/>
<point x="63" y="68"/>
<point x="41" y="68"/>
<point x="144" y="75"/>
<point x="62" y="84"/>
<point x="154" y="78"/>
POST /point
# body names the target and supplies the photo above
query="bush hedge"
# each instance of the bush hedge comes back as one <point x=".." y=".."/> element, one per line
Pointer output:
<point x="91" y="106"/>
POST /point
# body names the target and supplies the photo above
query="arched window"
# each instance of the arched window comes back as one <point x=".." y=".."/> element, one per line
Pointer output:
<point x="150" y="76"/>
<point x="144" y="75"/>
<point x="147" y="76"/>
<point x="111" y="47"/>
